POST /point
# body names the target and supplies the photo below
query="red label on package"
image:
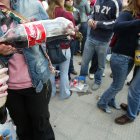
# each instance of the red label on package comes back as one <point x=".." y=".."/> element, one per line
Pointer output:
<point x="36" y="33"/>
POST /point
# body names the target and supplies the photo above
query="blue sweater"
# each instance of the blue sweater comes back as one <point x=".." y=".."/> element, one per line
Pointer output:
<point x="127" y="29"/>
<point x="105" y="12"/>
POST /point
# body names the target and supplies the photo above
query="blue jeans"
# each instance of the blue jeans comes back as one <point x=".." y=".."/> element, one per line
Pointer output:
<point x="92" y="47"/>
<point x="121" y="66"/>
<point x="134" y="97"/>
<point x="64" y="79"/>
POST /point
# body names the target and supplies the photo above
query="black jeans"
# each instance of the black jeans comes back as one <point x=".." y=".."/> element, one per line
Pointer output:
<point x="72" y="48"/>
<point x="94" y="64"/>
<point x="30" y="113"/>
<point x="83" y="30"/>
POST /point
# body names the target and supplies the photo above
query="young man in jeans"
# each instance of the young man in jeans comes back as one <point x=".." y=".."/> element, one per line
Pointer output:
<point x="101" y="23"/>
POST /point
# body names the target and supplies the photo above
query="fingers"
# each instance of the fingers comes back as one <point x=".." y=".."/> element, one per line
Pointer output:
<point x="91" y="22"/>
<point x="6" y="49"/>
<point x="3" y="89"/>
<point x="3" y="70"/>
<point x="4" y="80"/>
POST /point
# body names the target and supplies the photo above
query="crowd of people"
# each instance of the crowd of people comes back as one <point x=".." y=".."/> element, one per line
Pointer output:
<point x="99" y="25"/>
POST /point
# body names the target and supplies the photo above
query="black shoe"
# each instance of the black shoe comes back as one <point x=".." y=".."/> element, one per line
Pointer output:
<point x="74" y="72"/>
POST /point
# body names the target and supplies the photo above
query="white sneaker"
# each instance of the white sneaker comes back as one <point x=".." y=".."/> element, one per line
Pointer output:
<point x="91" y="76"/>
<point x="103" y="75"/>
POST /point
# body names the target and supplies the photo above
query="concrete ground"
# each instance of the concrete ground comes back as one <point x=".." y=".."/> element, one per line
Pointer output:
<point x="78" y="118"/>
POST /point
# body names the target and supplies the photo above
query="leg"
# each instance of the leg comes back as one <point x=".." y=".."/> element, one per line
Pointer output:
<point x="16" y="106"/>
<point x="72" y="48"/>
<point x="37" y="106"/>
<point x="94" y="64"/>
<point x="101" y="51"/>
<point x="134" y="97"/>
<point x="119" y="67"/>
<point x="52" y="78"/>
<point x="83" y="30"/>
<point x="89" y="51"/>
<point x="64" y="80"/>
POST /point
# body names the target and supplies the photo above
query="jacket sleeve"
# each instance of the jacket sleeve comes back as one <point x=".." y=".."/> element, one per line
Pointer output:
<point x="87" y="7"/>
<point x="108" y="25"/>
<point x="126" y="22"/>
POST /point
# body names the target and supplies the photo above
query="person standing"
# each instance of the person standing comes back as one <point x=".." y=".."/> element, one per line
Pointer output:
<point x="29" y="87"/>
<point x="122" y="59"/>
<point x="56" y="9"/>
<point x="70" y="8"/>
<point x="84" y="10"/>
<point x="101" y="24"/>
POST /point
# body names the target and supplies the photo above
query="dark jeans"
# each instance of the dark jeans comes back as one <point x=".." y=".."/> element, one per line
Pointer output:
<point x="94" y="64"/>
<point x="30" y="113"/>
<point x="72" y="49"/>
<point x="77" y="46"/>
<point x="83" y="30"/>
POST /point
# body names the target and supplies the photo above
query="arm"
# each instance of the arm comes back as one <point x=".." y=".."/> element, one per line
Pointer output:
<point x="126" y="22"/>
<point x="87" y="7"/>
<point x="108" y="25"/>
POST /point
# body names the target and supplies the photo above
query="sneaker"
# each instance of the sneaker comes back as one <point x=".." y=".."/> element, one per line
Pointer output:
<point x="95" y="87"/>
<point x="91" y="76"/>
<point x="103" y="75"/>
<point x="115" y="106"/>
<point x="106" y="110"/>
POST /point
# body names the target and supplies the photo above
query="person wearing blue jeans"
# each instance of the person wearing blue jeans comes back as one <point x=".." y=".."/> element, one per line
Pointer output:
<point x="122" y="57"/>
<point x="133" y="107"/>
<point x="92" y="46"/>
<point x="64" y="80"/>
<point x="121" y="66"/>
<point x="101" y="24"/>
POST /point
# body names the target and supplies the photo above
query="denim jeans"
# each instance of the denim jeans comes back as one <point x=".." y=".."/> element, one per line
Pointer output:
<point x="64" y="79"/>
<point x="134" y="97"/>
<point x="92" y="47"/>
<point x="121" y="66"/>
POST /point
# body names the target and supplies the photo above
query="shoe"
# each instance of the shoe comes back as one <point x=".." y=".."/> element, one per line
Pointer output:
<point x="95" y="87"/>
<point x="91" y="76"/>
<point x="123" y="120"/>
<point x="115" y="106"/>
<point x="74" y="72"/>
<point x="106" y="110"/>
<point x="124" y="106"/>
<point x="103" y="75"/>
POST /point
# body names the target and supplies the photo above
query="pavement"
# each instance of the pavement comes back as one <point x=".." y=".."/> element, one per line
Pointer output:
<point x="78" y="118"/>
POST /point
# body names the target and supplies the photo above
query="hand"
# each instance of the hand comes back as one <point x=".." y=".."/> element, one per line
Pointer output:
<point x="6" y="49"/>
<point x="3" y="79"/>
<point x="70" y="30"/>
<point x="95" y="25"/>
<point x="91" y="23"/>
